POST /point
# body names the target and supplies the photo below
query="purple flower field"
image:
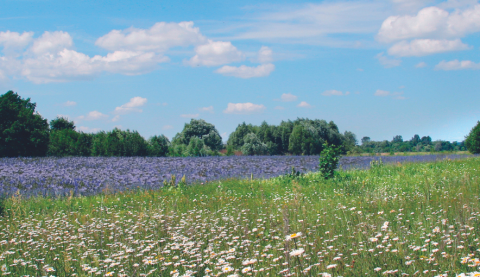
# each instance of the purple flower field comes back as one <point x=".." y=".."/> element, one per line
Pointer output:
<point x="90" y="175"/>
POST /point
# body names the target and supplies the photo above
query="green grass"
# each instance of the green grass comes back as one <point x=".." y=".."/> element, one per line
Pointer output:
<point x="418" y="219"/>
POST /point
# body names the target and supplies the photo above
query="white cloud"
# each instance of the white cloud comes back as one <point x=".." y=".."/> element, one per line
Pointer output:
<point x="313" y="23"/>
<point x="207" y="109"/>
<point x="265" y="55"/>
<point x="380" y="92"/>
<point x="394" y="95"/>
<point x="14" y="42"/>
<point x="288" y="97"/>
<point x="167" y="127"/>
<point x="244" y="108"/>
<point x="132" y="106"/>
<point x="128" y="62"/>
<point x="246" y="72"/>
<point x="431" y="22"/>
<point x="421" y="65"/>
<point x="457" y="65"/>
<point x="69" y="104"/>
<point x="159" y="38"/>
<point x="304" y="104"/>
<point x="215" y="53"/>
<point x="333" y="92"/>
<point x="94" y="115"/>
<point x="49" y="59"/>
<point x="410" y="5"/>
<point x="423" y="47"/>
<point x="190" y="115"/>
<point x="116" y="118"/>
<point x="87" y="129"/>
<point x="387" y="62"/>
<point x="51" y="43"/>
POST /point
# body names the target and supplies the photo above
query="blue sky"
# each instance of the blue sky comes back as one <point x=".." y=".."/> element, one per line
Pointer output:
<point x="376" y="68"/>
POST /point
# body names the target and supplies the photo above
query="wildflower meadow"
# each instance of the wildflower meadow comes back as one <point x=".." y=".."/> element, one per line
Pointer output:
<point x="398" y="219"/>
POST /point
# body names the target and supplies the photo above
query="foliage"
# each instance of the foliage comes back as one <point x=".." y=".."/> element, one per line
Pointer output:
<point x="158" y="146"/>
<point x="202" y="130"/>
<point x="253" y="146"/>
<point x="22" y="131"/>
<point x="329" y="159"/>
<point x="472" y="141"/>
<point x="61" y="123"/>
<point x="119" y="143"/>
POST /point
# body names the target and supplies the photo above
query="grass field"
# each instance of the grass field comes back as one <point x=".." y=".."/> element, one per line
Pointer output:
<point x="417" y="219"/>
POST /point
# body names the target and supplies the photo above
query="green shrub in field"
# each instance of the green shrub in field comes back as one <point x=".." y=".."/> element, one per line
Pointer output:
<point x="472" y="141"/>
<point x="329" y="159"/>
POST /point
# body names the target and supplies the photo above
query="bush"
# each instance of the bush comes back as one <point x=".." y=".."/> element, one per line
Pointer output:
<point x="472" y="141"/>
<point x="253" y="146"/>
<point x="329" y="159"/>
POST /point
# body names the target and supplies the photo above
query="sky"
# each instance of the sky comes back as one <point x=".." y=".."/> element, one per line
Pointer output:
<point x="376" y="68"/>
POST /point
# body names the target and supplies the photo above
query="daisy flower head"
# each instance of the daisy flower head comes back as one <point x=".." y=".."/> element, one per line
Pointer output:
<point x="227" y="268"/>
<point x="297" y="252"/>
<point x="294" y="236"/>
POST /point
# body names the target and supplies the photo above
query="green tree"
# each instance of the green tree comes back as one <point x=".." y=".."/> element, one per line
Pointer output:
<point x="472" y="141"/>
<point x="23" y="132"/>
<point x="61" y="123"/>
<point x="158" y="146"/>
<point x="253" y="146"/>
<point x="202" y="130"/>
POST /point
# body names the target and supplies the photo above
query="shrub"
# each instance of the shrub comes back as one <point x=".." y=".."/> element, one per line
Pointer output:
<point x="472" y="141"/>
<point x="329" y="159"/>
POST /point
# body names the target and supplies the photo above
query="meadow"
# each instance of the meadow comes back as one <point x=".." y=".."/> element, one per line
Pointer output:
<point x="402" y="219"/>
<point x="57" y="177"/>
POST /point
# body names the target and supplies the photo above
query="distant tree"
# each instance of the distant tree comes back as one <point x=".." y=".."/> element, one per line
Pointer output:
<point x="365" y="140"/>
<point x="202" y="130"/>
<point x="426" y="140"/>
<point x="196" y="148"/>
<point x="158" y="146"/>
<point x="23" y="132"/>
<point x="350" y="141"/>
<point x="415" y="140"/>
<point x="397" y="139"/>
<point x="472" y="141"/>
<point x="61" y="123"/>
<point x="253" y="146"/>
<point x="236" y="138"/>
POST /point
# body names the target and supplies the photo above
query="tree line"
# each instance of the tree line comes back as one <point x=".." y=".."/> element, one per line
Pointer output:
<point x="24" y="132"/>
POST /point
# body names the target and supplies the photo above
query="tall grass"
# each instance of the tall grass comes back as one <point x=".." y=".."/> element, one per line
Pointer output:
<point x="419" y="219"/>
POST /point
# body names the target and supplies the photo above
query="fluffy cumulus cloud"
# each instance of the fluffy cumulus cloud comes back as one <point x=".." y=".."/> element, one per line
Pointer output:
<point x="394" y="95"/>
<point x="215" y="53"/>
<point x="132" y="106"/>
<point x="208" y="109"/>
<point x="159" y="38"/>
<point x="244" y="108"/>
<point x="431" y="22"/>
<point x="334" y="92"/>
<point x="51" y="57"/>
<point x="423" y="47"/>
<point x="304" y="104"/>
<point x="246" y="72"/>
<point x="288" y="97"/>
<point x="457" y="65"/>
<point x="69" y="104"/>
<point x="94" y="115"/>
<point x="88" y="129"/>
<point x="14" y="42"/>
<point x="382" y="93"/>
